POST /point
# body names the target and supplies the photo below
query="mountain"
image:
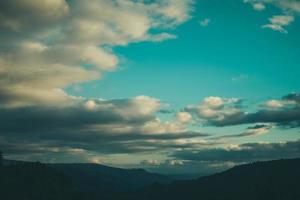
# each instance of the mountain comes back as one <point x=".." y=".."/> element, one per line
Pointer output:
<point x="95" y="178"/>
<point x="270" y="180"/>
<point x="29" y="180"/>
<point x="35" y="181"/>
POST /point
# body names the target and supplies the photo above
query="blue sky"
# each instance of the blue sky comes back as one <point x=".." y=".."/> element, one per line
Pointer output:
<point x="167" y="85"/>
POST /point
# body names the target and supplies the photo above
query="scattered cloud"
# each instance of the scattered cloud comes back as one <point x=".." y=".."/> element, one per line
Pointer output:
<point x="278" y="22"/>
<point x="214" y="109"/>
<point x="239" y="78"/>
<point x="274" y="104"/>
<point x="204" y="22"/>
<point x="259" y="6"/>
<point x="289" y="9"/>
<point x="225" y="112"/>
<point x="183" y="117"/>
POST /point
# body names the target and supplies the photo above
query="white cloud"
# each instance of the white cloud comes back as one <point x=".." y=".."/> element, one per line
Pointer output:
<point x="204" y="22"/>
<point x="44" y="46"/>
<point x="183" y="117"/>
<point x="292" y="6"/>
<point x="213" y="102"/>
<point x="288" y="5"/>
<point x="289" y="9"/>
<point x="161" y="37"/>
<point x="90" y="105"/>
<point x="215" y="108"/>
<point x="278" y="22"/>
<point x="274" y="104"/>
<point x="259" y="6"/>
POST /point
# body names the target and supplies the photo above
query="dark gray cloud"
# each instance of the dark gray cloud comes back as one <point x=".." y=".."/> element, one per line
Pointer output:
<point x="284" y="117"/>
<point x="36" y="118"/>
<point x="258" y="129"/>
<point x="100" y="126"/>
<point x="286" y="114"/>
<point x="244" y="152"/>
<point x="295" y="97"/>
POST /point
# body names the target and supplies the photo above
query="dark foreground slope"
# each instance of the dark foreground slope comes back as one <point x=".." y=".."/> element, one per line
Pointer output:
<point x="272" y="180"/>
<point x="35" y="181"/>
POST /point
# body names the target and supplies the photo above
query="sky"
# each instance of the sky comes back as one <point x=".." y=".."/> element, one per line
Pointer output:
<point x="173" y="86"/>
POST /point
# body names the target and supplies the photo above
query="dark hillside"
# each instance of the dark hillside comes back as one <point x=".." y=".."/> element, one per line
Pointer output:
<point x="274" y="180"/>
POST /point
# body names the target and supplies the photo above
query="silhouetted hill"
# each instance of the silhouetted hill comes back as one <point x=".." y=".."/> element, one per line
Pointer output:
<point x="92" y="180"/>
<point x="34" y="181"/>
<point x="274" y="180"/>
<point x="104" y="180"/>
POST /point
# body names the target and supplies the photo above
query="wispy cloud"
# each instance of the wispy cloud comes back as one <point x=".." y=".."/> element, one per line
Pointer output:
<point x="289" y="10"/>
<point x="205" y="22"/>
<point x="259" y="6"/>
<point x="278" y="22"/>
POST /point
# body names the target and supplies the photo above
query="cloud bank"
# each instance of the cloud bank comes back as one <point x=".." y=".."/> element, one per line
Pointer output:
<point x="218" y="111"/>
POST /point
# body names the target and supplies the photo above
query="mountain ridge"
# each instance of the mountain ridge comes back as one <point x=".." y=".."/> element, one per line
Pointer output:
<point x="274" y="180"/>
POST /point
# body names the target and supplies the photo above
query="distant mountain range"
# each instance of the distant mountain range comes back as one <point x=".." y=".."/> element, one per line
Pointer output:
<point x="269" y="180"/>
<point x="93" y="178"/>
<point x="274" y="180"/>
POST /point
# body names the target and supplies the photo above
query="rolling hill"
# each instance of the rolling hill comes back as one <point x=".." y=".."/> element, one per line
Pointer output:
<point x="274" y="180"/>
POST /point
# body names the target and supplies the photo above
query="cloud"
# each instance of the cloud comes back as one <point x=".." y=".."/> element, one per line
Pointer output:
<point x="258" y="129"/>
<point x="244" y="152"/>
<point x="204" y="22"/>
<point x="278" y="22"/>
<point x="183" y="117"/>
<point x="17" y="14"/>
<point x="230" y="113"/>
<point x="164" y="163"/>
<point x="274" y="104"/>
<point x="293" y="98"/>
<point x="258" y="6"/>
<point x="292" y="6"/>
<point x="215" y="108"/>
<point x="289" y="9"/>
<point x="57" y="44"/>
<point x="95" y="126"/>
<point x="47" y="47"/>
<point x="239" y="78"/>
